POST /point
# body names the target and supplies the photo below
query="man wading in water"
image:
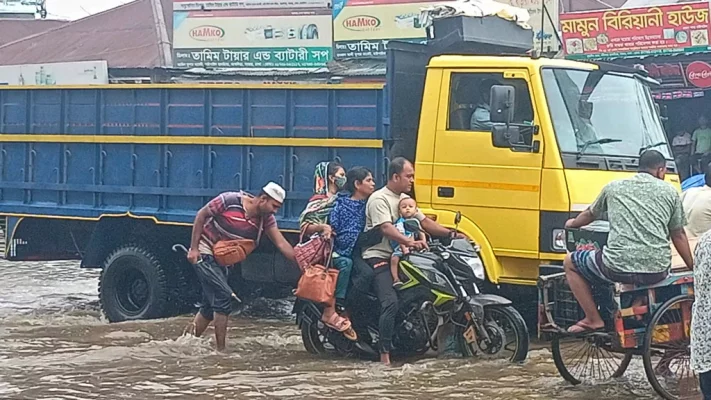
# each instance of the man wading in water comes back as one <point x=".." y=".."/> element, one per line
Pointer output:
<point x="230" y="216"/>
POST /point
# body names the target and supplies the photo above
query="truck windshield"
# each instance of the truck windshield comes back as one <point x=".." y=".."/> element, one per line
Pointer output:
<point x="600" y="113"/>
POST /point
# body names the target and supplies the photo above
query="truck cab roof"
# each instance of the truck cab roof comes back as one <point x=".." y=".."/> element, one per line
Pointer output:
<point x="465" y="61"/>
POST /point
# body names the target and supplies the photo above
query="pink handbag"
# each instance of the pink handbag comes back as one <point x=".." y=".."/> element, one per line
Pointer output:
<point x="312" y="252"/>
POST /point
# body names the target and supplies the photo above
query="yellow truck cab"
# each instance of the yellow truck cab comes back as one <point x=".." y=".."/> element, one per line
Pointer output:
<point x="518" y="145"/>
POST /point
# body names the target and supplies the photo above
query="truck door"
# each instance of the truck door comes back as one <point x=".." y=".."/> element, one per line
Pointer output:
<point x="497" y="188"/>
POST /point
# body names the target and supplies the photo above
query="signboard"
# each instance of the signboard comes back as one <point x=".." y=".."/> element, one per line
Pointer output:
<point x="266" y="38"/>
<point x="212" y="5"/>
<point x="541" y="25"/>
<point x="670" y="29"/>
<point x="699" y="74"/>
<point x="69" y="73"/>
<point x="677" y="94"/>
<point x="362" y="28"/>
<point x="28" y="7"/>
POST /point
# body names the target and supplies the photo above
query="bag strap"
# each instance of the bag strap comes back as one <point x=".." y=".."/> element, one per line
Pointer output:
<point x="325" y="250"/>
<point x="328" y="253"/>
<point x="261" y="228"/>
<point x="321" y="250"/>
<point x="302" y="233"/>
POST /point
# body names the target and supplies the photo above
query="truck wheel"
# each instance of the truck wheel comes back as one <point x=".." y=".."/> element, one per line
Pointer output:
<point x="134" y="285"/>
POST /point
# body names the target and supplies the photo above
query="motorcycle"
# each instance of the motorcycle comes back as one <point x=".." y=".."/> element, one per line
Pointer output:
<point x="440" y="287"/>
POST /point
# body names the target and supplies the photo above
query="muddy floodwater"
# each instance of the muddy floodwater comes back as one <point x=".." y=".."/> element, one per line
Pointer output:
<point x="54" y="344"/>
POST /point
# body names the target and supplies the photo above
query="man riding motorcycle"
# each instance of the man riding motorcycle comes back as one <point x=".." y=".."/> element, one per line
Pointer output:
<point x="381" y="213"/>
<point x="439" y="297"/>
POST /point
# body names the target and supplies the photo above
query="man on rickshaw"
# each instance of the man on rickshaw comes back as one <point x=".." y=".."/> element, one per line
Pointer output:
<point x="644" y="212"/>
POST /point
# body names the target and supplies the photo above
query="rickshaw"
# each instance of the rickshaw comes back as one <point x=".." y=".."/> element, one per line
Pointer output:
<point x="653" y="322"/>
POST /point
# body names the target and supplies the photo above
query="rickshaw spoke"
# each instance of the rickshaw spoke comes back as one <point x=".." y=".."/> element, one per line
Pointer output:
<point x="588" y="358"/>
<point x="666" y="350"/>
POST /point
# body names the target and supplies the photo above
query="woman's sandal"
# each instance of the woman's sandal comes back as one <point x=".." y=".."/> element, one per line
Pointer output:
<point x="342" y="325"/>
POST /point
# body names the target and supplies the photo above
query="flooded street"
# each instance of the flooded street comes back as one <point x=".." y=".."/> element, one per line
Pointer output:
<point x="55" y="345"/>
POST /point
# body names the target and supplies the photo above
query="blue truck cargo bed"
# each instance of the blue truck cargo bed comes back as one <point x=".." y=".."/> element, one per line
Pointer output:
<point x="162" y="151"/>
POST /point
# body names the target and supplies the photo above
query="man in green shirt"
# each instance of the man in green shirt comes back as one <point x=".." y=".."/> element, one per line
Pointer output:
<point x="644" y="213"/>
<point x="701" y="146"/>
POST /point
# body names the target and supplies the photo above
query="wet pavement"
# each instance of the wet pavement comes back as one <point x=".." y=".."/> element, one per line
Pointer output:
<point x="54" y="344"/>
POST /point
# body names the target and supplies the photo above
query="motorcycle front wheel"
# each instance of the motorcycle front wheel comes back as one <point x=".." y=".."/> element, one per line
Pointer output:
<point x="507" y="332"/>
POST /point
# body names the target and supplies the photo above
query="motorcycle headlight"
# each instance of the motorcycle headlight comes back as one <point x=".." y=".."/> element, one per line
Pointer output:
<point x="476" y="265"/>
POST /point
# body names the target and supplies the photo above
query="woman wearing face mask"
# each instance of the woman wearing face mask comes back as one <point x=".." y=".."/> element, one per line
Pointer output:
<point x="329" y="179"/>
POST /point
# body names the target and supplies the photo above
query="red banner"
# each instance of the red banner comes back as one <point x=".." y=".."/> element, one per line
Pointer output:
<point x="675" y="28"/>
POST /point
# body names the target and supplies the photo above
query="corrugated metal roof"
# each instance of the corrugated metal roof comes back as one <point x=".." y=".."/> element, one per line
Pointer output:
<point x="16" y="29"/>
<point x="127" y="36"/>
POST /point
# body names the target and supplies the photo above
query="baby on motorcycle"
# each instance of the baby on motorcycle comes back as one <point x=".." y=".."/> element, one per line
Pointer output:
<point x="408" y="209"/>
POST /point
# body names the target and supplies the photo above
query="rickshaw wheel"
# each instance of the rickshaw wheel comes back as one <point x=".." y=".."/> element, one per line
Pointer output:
<point x="667" y="354"/>
<point x="588" y="358"/>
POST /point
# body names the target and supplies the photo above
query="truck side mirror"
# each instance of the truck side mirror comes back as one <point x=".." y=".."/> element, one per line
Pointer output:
<point x="514" y="137"/>
<point x="504" y="136"/>
<point x="502" y="104"/>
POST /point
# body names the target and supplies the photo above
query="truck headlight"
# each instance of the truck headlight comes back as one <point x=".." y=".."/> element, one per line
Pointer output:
<point x="558" y="242"/>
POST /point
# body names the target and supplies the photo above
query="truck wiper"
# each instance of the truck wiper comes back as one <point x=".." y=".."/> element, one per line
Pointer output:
<point x="651" y="146"/>
<point x="597" y="141"/>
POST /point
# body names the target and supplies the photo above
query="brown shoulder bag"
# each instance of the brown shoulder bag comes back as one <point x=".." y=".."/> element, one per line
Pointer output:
<point x="230" y="252"/>
<point x="318" y="282"/>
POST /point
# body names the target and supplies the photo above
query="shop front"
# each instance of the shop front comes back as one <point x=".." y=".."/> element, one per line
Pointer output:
<point x="684" y="96"/>
<point x="671" y="43"/>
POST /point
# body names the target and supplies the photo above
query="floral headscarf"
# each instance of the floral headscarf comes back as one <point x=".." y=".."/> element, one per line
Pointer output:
<point x="320" y="204"/>
<point x="321" y="179"/>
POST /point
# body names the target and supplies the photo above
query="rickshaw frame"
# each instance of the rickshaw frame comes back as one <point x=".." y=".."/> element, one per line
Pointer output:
<point x="627" y="323"/>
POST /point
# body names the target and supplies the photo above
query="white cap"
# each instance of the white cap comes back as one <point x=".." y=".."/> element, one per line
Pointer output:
<point x="275" y="191"/>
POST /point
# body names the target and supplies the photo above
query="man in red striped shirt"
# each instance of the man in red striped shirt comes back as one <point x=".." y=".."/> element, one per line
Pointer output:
<point x="230" y="216"/>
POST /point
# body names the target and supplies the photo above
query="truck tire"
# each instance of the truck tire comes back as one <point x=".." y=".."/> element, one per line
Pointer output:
<point x="135" y="285"/>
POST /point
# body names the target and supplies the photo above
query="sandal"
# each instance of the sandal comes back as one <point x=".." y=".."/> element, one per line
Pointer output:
<point x="342" y="325"/>
<point x="581" y="327"/>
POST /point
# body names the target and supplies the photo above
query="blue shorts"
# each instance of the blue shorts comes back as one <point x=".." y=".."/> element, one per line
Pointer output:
<point x="589" y="264"/>
<point x="397" y="252"/>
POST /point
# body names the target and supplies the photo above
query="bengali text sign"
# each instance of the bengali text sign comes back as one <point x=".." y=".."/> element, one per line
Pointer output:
<point x="669" y="29"/>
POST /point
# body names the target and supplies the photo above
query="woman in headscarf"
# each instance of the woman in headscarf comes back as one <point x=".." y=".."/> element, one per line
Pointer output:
<point x="329" y="179"/>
